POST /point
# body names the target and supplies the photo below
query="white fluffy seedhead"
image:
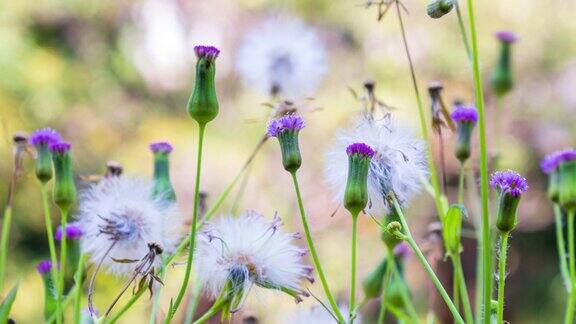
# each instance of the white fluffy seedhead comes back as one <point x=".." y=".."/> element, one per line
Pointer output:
<point x="398" y="166"/>
<point x="282" y="56"/>
<point x="123" y="212"/>
<point x="249" y="250"/>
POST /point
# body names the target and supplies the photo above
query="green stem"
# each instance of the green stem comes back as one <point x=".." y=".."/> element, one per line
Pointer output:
<point x="502" y="276"/>
<point x="561" y="246"/>
<point x="313" y="252"/>
<point x="193" y="304"/>
<point x="212" y="311"/>
<point x="572" y="254"/>
<point x="455" y="289"/>
<point x="486" y="255"/>
<point x="156" y="302"/>
<point x="6" y="223"/>
<point x="353" y="269"/>
<point x="426" y="265"/>
<point x="67" y="301"/>
<point x="404" y="294"/>
<point x="385" y="285"/>
<point x="463" y="30"/>
<point x="193" y="228"/>
<point x="51" y="244"/>
<point x="78" y="284"/>
<point x="63" y="248"/>
<point x="124" y="308"/>
<point x="461" y="185"/>
<point x="468" y="314"/>
<point x="423" y="124"/>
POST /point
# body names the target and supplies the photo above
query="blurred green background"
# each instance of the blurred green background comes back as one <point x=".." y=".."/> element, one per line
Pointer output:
<point x="112" y="77"/>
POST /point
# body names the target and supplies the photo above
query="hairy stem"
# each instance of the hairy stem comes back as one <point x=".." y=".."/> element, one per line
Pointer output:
<point x="78" y="283"/>
<point x="313" y="252"/>
<point x="459" y="273"/>
<point x="63" y="248"/>
<point x="461" y="185"/>
<point x="569" y="319"/>
<point x="561" y="246"/>
<point x="6" y="223"/>
<point x="353" y="269"/>
<point x="404" y="293"/>
<point x="502" y="276"/>
<point x="385" y="284"/>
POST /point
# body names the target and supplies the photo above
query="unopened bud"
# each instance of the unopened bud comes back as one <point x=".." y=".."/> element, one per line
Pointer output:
<point x="356" y="193"/>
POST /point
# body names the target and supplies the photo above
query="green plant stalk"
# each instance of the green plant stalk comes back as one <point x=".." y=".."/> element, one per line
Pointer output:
<point x="6" y="223"/>
<point x="423" y="124"/>
<point x="400" y="315"/>
<point x="404" y="293"/>
<point x="569" y="319"/>
<point x="193" y="304"/>
<point x="463" y="30"/>
<point x="124" y="308"/>
<point x="63" y="248"/>
<point x="455" y="289"/>
<point x="193" y="228"/>
<point x="313" y="252"/>
<point x="67" y="300"/>
<point x="218" y="305"/>
<point x="156" y="302"/>
<point x="461" y="185"/>
<point x="426" y="265"/>
<point x="502" y="276"/>
<point x="486" y="255"/>
<point x="385" y="283"/>
<point x="468" y="314"/>
<point x="353" y="269"/>
<point x="561" y="246"/>
<point x="51" y="244"/>
<point x="78" y="294"/>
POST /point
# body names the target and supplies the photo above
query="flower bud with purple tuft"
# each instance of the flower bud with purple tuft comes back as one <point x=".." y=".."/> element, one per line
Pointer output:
<point x="73" y="232"/>
<point x="44" y="268"/>
<point x="465" y="119"/>
<point x="501" y="80"/>
<point x="286" y="129"/>
<point x="162" y="185"/>
<point x="356" y="193"/>
<point x="64" y="193"/>
<point x="203" y="103"/>
<point x="566" y="160"/>
<point x="438" y="8"/>
<point x="41" y="140"/>
<point x="510" y="185"/>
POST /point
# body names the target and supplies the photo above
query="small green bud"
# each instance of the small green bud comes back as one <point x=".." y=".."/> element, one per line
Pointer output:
<point x="453" y="229"/>
<point x="64" y="193"/>
<point x="501" y="80"/>
<point x="162" y="184"/>
<point x="41" y="139"/>
<point x="286" y="129"/>
<point x="567" y="185"/>
<point x="388" y="238"/>
<point x="510" y="186"/>
<point x="438" y="8"/>
<point x="465" y="119"/>
<point x="203" y="104"/>
<point x="372" y="283"/>
<point x="356" y="193"/>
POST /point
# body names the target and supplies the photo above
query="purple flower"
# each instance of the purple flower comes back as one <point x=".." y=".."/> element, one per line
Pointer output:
<point x="509" y="182"/>
<point x="551" y="161"/>
<point x="464" y="114"/>
<point x="60" y="147"/>
<point x="506" y="36"/>
<point x="44" y="267"/>
<point x="44" y="136"/>
<point x="161" y="147"/>
<point x="402" y="251"/>
<point x="360" y="148"/>
<point x="209" y="52"/>
<point x="285" y="123"/>
<point x="73" y="232"/>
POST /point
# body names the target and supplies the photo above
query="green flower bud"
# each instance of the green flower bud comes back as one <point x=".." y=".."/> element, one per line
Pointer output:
<point x="389" y="239"/>
<point x="50" y="296"/>
<point x="64" y="193"/>
<point x="41" y="139"/>
<point x="567" y="185"/>
<point x="203" y="104"/>
<point x="501" y="80"/>
<point x="162" y="185"/>
<point x="511" y="186"/>
<point x="286" y="129"/>
<point x="453" y="229"/>
<point x="438" y="8"/>
<point x="465" y="118"/>
<point x="356" y="193"/>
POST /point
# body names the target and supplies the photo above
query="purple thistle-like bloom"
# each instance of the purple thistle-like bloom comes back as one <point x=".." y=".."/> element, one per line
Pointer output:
<point x="44" y="267"/>
<point x="402" y="251"/>
<point x="209" y="52"/>
<point x="73" y="232"/>
<point x="60" y="147"/>
<point x="465" y="114"/>
<point x="360" y="148"/>
<point x="506" y="36"/>
<point x="285" y="123"/>
<point x="44" y="136"/>
<point x="161" y="147"/>
<point x="509" y="182"/>
<point x="551" y="161"/>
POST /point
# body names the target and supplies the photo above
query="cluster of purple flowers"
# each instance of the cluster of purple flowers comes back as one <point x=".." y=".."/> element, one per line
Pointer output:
<point x="285" y="123"/>
<point x="209" y="52"/>
<point x="51" y="138"/>
<point x="360" y="148"/>
<point x="161" y="147"/>
<point x="551" y="161"/>
<point x="464" y="114"/>
<point x="509" y="182"/>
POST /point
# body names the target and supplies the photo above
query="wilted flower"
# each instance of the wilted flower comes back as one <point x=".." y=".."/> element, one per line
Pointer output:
<point x="399" y="165"/>
<point x="235" y="253"/>
<point x="119" y="217"/>
<point x="315" y="315"/>
<point x="282" y="57"/>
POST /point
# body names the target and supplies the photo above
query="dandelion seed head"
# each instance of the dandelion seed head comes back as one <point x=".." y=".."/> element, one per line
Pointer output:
<point x="464" y="114"/>
<point x="399" y="164"/>
<point x="282" y="56"/>
<point x="44" y="136"/>
<point x="123" y="211"/>
<point x="509" y="182"/>
<point x="551" y="161"/>
<point x="249" y="250"/>
<point x="285" y="123"/>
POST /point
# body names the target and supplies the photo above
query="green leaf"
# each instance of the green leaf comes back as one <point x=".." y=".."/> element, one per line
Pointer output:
<point x="7" y="303"/>
<point x="453" y="228"/>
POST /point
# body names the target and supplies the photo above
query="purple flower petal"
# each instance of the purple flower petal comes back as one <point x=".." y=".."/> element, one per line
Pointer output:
<point x="60" y="147"/>
<point x="285" y="123"/>
<point x="44" y="267"/>
<point x="464" y="114"/>
<point x="161" y="147"/>
<point x="44" y="136"/>
<point x="551" y="161"/>
<point x="360" y="148"/>
<point x="506" y="36"/>
<point x="209" y="52"/>
<point x="509" y="182"/>
<point x="73" y="232"/>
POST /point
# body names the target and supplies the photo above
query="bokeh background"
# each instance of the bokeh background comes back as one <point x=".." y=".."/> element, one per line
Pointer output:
<point x="112" y="76"/>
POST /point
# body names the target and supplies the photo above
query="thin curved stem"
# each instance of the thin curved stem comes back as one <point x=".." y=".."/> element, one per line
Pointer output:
<point x="125" y="308"/>
<point x="569" y="319"/>
<point x="63" y="250"/>
<point x="218" y="305"/>
<point x="51" y="244"/>
<point x="468" y="314"/>
<point x="193" y="228"/>
<point x="193" y="304"/>
<point x="461" y="185"/>
<point x="426" y="265"/>
<point x="561" y="246"/>
<point x="385" y="285"/>
<point x="404" y="293"/>
<point x="313" y="252"/>
<point x="67" y="300"/>
<point x="78" y="283"/>
<point x="486" y="255"/>
<point x="353" y="269"/>
<point x="502" y="276"/>
<point x="6" y="223"/>
<point x="463" y="32"/>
